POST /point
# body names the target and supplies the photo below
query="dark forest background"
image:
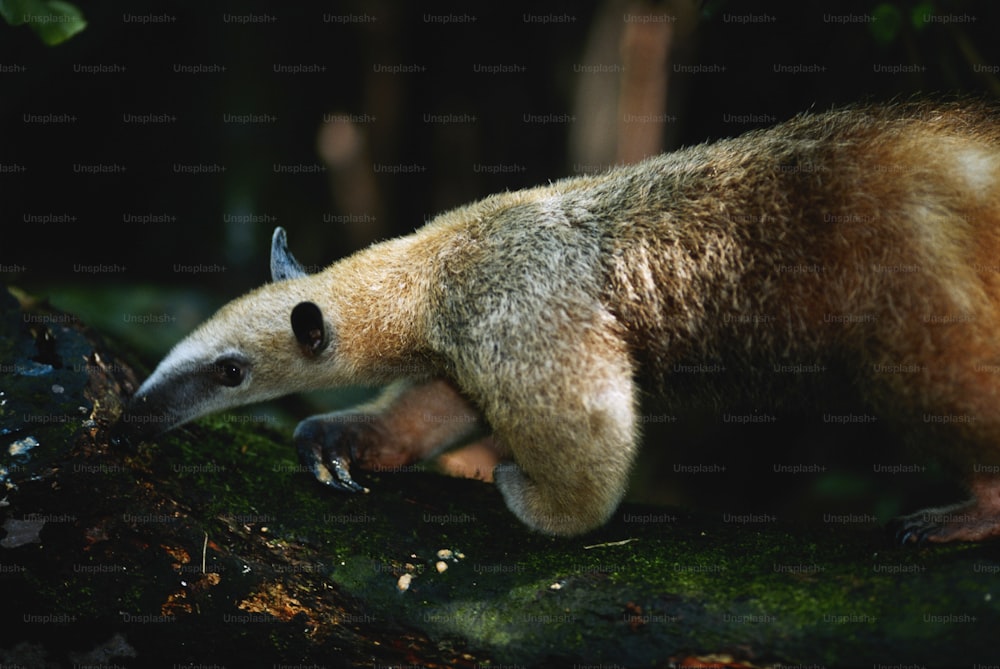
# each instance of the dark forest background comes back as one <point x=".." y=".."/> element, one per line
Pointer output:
<point x="556" y="109"/>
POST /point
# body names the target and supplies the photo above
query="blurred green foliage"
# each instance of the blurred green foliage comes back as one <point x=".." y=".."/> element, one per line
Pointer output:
<point x="53" y="21"/>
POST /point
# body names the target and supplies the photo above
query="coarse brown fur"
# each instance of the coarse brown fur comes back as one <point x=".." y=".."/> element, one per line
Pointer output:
<point x="864" y="239"/>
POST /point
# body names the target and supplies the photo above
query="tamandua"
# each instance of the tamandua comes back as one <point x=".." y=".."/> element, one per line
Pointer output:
<point x="866" y="237"/>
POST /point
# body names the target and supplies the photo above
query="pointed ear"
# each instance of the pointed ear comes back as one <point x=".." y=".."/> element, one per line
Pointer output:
<point x="309" y="329"/>
<point x="283" y="264"/>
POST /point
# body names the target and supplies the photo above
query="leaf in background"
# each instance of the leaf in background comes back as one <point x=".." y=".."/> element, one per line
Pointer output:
<point x="12" y="11"/>
<point x="920" y="14"/>
<point x="886" y="25"/>
<point x="53" y="21"/>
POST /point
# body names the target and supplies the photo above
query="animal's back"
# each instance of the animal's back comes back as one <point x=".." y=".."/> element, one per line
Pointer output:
<point x="861" y="236"/>
<point x="852" y="233"/>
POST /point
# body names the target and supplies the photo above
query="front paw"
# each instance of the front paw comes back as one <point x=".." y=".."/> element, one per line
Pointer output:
<point x="326" y="446"/>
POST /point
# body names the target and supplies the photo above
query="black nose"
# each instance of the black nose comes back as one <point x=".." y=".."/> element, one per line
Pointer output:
<point x="126" y="433"/>
<point x="122" y="436"/>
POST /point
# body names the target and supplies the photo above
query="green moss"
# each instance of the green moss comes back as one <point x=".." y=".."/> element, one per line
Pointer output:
<point x="796" y="594"/>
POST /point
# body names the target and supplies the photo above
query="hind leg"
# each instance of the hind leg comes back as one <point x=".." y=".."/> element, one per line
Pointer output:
<point x="958" y="395"/>
<point x="974" y="520"/>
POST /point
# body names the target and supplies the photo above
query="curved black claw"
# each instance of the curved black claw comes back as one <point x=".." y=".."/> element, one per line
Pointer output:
<point x="342" y="477"/>
<point x="904" y="531"/>
<point x="325" y="460"/>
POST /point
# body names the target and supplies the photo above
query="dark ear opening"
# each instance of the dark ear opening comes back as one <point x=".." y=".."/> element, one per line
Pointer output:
<point x="307" y="324"/>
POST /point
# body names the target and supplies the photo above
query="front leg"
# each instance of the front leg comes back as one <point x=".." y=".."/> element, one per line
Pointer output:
<point x="408" y="422"/>
<point x="571" y="434"/>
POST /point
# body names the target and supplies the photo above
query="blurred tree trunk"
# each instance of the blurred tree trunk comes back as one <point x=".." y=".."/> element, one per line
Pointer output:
<point x="621" y="98"/>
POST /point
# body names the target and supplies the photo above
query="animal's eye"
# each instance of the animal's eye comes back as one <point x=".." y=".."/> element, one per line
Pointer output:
<point x="229" y="373"/>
